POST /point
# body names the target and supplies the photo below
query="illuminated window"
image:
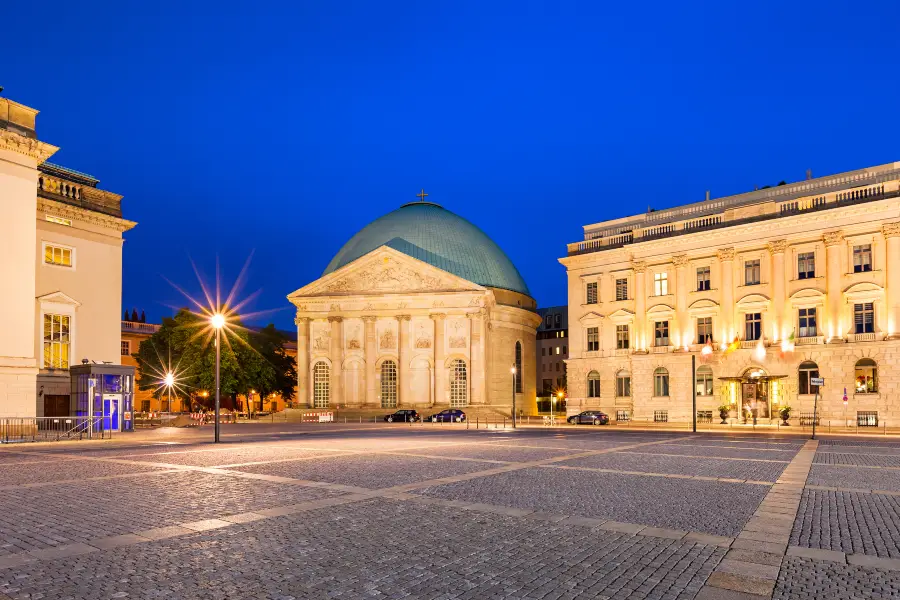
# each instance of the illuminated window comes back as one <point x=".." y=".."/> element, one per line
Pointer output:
<point x="56" y="341"/>
<point x="752" y="326"/>
<point x="622" y="341"/>
<point x="388" y="384"/>
<point x="593" y="383"/>
<point x="704" y="330"/>
<point x="660" y="382"/>
<point x="866" y="374"/>
<point x="806" y="265"/>
<point x="807" y="318"/>
<point x="459" y="388"/>
<point x="862" y="258"/>
<point x="60" y="256"/>
<point x="592" y="293"/>
<point x="661" y="333"/>
<point x="321" y="385"/>
<point x="593" y="339"/>
<point x="864" y="318"/>
<point x="704" y="381"/>
<point x="661" y="284"/>
<point x="807" y="371"/>
<point x="751" y="272"/>
<point x="702" y="279"/>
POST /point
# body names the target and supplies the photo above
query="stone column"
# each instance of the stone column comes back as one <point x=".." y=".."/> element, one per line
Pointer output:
<point x="336" y="349"/>
<point x="303" y="384"/>
<point x="403" y="367"/>
<point x="776" y="249"/>
<point x="891" y="233"/>
<point x="726" y="269"/>
<point x="370" y="350"/>
<point x="476" y="361"/>
<point x="683" y="323"/>
<point x="834" y="243"/>
<point x="440" y="371"/>
<point x="640" y="306"/>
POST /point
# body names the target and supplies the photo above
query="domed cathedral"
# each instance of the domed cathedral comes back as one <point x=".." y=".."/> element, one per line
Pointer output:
<point x="422" y="310"/>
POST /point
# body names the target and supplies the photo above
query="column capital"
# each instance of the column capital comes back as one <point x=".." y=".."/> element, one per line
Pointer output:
<point x="335" y="319"/>
<point x="437" y="316"/>
<point x="680" y="260"/>
<point x="777" y="246"/>
<point x="832" y="238"/>
<point x="639" y="266"/>
<point x="369" y="318"/>
<point x="477" y="314"/>
<point x="301" y="320"/>
<point x="402" y="318"/>
<point x="725" y="253"/>
<point x="890" y="229"/>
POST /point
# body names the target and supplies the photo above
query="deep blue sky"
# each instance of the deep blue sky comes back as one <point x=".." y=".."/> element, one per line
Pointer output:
<point x="284" y="129"/>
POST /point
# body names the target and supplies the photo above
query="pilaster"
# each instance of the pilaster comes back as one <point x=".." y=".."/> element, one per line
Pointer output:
<point x="369" y="341"/>
<point x="726" y="274"/>
<point x="776" y="249"/>
<point x="403" y="372"/>
<point x="684" y="327"/>
<point x="640" y="304"/>
<point x="891" y="233"/>
<point x="303" y="387"/>
<point x="440" y="371"/>
<point x="336" y="349"/>
<point x="834" y="244"/>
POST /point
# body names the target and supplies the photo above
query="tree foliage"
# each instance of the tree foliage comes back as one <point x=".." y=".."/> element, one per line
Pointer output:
<point x="185" y="344"/>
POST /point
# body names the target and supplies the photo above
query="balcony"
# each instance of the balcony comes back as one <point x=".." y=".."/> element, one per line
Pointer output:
<point x="659" y="349"/>
<point x="862" y="337"/>
<point x="135" y="327"/>
<point x="808" y="341"/>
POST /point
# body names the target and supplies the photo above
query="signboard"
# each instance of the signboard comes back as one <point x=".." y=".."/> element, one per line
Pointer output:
<point x="127" y="415"/>
<point x="817" y="381"/>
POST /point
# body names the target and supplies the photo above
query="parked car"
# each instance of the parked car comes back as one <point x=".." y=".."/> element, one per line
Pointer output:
<point x="589" y="417"/>
<point x="450" y="415"/>
<point x="403" y="416"/>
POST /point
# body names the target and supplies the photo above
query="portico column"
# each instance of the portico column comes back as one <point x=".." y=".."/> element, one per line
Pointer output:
<point x="403" y="367"/>
<point x="776" y="249"/>
<point x="369" y="341"/>
<point x="834" y="242"/>
<point x="302" y="359"/>
<point x="336" y="349"/>
<point x="640" y="304"/>
<point x="440" y="372"/>
<point x="476" y="372"/>
<point x="680" y="261"/>
<point x="726" y="273"/>
<point x="891" y="233"/>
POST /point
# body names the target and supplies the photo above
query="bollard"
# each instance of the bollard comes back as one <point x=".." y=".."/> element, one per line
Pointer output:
<point x="476" y="422"/>
<point x="504" y="422"/>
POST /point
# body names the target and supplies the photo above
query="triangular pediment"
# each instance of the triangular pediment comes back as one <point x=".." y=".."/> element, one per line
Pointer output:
<point x="59" y="298"/>
<point x="621" y="316"/>
<point x="590" y="316"/>
<point x="385" y="271"/>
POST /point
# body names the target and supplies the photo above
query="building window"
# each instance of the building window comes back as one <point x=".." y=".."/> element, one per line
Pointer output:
<point x="622" y="341"/>
<point x="565" y="350"/>
<point x="321" y="385"/>
<point x="660" y="382"/>
<point x="557" y="367"/>
<point x="704" y="381"/>
<point x="57" y="255"/>
<point x="621" y="289"/>
<point x="591" y="293"/>
<point x="661" y="284"/>
<point x="56" y="341"/>
<point x="808" y="322"/>
<point x="866" y="376"/>
<point x="518" y="367"/>
<point x="593" y="383"/>
<point x="661" y="333"/>
<point x="557" y="349"/>
<point x="752" y="326"/>
<point x="751" y="272"/>
<point x="862" y="258"/>
<point x="806" y="265"/>
<point x="864" y="318"/>
<point x="548" y="322"/>
<point x="557" y="320"/>
<point x="807" y="371"/>
<point x="593" y="339"/>
<point x="543" y="352"/>
<point x="703" y="279"/>
<point x="388" y="384"/>
<point x="125" y="347"/>
<point x="459" y="387"/>
<point x="704" y="330"/>
<point x="623" y="384"/>
<point x="145" y="406"/>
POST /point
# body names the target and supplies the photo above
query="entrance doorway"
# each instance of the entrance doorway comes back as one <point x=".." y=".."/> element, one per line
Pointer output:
<point x="56" y="405"/>
<point x="111" y="403"/>
<point x="755" y="394"/>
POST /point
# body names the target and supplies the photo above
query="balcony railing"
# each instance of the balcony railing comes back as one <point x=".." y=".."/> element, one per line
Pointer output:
<point x="135" y="327"/>
<point x="861" y="337"/>
<point x="808" y="340"/>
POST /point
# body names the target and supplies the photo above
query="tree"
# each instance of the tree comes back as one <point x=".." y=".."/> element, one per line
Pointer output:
<point x="280" y="373"/>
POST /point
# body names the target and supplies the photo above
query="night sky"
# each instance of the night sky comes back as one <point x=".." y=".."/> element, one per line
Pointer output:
<point x="284" y="129"/>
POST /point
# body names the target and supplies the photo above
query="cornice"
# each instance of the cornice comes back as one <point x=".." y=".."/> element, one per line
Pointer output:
<point x="61" y="209"/>
<point x="39" y="151"/>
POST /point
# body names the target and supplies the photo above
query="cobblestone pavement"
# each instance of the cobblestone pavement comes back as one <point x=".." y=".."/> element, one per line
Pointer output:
<point x="294" y="511"/>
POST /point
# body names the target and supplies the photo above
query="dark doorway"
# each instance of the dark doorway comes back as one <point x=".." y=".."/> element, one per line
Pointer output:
<point x="56" y="405"/>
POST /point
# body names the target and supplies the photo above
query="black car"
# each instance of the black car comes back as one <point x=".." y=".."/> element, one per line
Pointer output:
<point x="450" y="415"/>
<point x="589" y="417"/>
<point x="403" y="416"/>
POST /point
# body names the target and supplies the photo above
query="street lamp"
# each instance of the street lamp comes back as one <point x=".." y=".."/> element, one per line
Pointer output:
<point x="218" y="322"/>
<point x="169" y="380"/>
<point x="513" y="372"/>
<point x="559" y="396"/>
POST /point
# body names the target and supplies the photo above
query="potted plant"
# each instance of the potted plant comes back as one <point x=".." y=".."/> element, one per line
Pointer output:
<point x="785" y="413"/>
<point x="723" y="413"/>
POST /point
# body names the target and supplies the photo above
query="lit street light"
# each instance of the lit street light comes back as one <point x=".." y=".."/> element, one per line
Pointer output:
<point x="169" y="381"/>
<point x="218" y="322"/>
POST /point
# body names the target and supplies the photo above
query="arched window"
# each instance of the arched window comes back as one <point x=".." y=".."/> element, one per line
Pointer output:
<point x="593" y="384"/>
<point x="459" y="387"/>
<point x="866" y="376"/>
<point x="660" y="382"/>
<point x="388" y="384"/>
<point x="518" y="367"/>
<point x="321" y="384"/>
<point x="808" y="370"/>
<point x="704" y="381"/>
<point x="623" y="384"/>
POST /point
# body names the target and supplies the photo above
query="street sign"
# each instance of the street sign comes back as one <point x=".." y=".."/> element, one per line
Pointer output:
<point x="817" y="381"/>
<point x="845" y="396"/>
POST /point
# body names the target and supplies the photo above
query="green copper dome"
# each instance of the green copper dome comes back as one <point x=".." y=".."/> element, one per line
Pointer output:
<point x="432" y="234"/>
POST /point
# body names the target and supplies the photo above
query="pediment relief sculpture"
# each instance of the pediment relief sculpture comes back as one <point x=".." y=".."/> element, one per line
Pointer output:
<point x="389" y="275"/>
<point x="388" y="340"/>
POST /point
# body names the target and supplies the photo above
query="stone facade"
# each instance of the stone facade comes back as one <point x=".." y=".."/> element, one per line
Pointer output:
<point x="388" y="330"/>
<point x="753" y="286"/>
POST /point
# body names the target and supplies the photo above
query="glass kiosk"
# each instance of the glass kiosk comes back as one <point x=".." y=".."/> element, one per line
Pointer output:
<point x="104" y="394"/>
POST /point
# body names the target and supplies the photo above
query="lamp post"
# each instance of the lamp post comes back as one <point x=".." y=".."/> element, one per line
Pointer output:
<point x="559" y="396"/>
<point x="513" y="372"/>
<point x="169" y="381"/>
<point x="217" y="321"/>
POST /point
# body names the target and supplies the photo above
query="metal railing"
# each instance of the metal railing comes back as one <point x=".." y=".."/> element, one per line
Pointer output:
<point x="52" y="429"/>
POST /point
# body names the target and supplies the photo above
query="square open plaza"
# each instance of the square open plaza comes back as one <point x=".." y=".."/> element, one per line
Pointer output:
<point x="446" y="460"/>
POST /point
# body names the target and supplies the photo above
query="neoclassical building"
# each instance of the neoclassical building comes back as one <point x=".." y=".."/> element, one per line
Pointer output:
<point x="419" y="309"/>
<point x="768" y="290"/>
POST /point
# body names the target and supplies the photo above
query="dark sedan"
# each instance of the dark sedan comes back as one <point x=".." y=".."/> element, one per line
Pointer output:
<point x="403" y="416"/>
<point x="451" y="415"/>
<point x="589" y="417"/>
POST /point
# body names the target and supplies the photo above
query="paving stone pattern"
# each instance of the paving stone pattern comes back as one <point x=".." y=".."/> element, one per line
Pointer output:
<point x="858" y="478"/>
<point x="803" y="579"/>
<point x="706" y="467"/>
<point x="720" y="452"/>
<point x="858" y="458"/>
